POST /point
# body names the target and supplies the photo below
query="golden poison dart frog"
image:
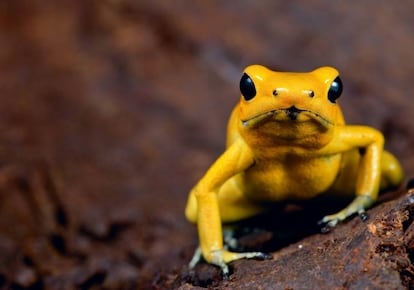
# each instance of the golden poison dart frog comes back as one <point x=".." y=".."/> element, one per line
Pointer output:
<point x="287" y="140"/>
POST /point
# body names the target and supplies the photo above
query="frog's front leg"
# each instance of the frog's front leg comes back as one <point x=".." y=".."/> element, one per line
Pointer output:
<point x="236" y="159"/>
<point x="370" y="143"/>
<point x="211" y="239"/>
<point x="358" y="205"/>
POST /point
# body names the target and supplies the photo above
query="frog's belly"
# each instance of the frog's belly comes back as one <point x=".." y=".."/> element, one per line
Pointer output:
<point x="275" y="181"/>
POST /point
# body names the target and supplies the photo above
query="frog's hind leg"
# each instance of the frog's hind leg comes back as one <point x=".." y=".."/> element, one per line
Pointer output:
<point x="391" y="171"/>
<point x="233" y="204"/>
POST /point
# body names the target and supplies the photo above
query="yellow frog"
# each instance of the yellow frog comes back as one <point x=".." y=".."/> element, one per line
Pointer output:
<point x="287" y="140"/>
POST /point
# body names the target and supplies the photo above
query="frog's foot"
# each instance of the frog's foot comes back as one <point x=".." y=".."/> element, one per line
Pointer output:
<point x="357" y="206"/>
<point x="221" y="258"/>
<point x="230" y="242"/>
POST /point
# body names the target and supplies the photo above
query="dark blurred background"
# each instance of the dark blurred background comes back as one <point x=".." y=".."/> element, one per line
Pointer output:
<point x="111" y="110"/>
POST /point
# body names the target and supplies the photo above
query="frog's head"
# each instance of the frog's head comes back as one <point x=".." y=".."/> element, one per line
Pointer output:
<point x="290" y="105"/>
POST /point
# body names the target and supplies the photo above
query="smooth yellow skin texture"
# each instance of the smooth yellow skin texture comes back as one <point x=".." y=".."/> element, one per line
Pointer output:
<point x="271" y="157"/>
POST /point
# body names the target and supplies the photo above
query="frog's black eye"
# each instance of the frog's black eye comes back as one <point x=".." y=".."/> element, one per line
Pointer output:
<point x="247" y="87"/>
<point x="335" y="90"/>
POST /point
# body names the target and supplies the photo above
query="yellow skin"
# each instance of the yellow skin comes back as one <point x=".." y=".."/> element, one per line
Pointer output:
<point x="287" y="140"/>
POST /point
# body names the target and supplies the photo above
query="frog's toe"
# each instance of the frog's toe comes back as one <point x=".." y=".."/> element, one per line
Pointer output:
<point x="231" y="256"/>
<point x="221" y="258"/>
<point x="196" y="258"/>
<point x="363" y="216"/>
<point x="229" y="239"/>
<point x="327" y="224"/>
<point x="329" y="220"/>
<point x="225" y="270"/>
<point x="264" y="256"/>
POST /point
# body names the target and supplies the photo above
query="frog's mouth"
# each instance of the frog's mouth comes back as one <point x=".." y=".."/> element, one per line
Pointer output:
<point x="292" y="114"/>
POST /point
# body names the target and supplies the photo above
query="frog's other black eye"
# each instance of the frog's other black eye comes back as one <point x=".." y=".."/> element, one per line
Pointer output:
<point x="335" y="90"/>
<point x="247" y="87"/>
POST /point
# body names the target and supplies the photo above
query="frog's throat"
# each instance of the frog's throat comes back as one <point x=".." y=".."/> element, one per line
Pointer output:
<point x="292" y="113"/>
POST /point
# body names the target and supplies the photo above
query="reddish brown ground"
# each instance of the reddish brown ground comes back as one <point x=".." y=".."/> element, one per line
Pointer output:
<point x="111" y="110"/>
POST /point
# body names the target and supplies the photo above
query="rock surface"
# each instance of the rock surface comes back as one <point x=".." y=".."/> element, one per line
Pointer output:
<point x="375" y="254"/>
